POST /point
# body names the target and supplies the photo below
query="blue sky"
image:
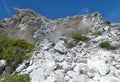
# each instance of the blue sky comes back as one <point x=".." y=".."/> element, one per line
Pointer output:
<point x="110" y="9"/>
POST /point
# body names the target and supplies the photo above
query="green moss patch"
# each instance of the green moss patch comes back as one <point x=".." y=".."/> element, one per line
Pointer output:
<point x="80" y="37"/>
<point x="97" y="33"/>
<point x="16" y="78"/>
<point x="105" y="44"/>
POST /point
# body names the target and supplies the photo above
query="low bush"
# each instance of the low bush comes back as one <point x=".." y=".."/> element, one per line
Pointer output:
<point x="105" y="44"/>
<point x="16" y="78"/>
<point x="82" y="71"/>
<point x="80" y="37"/>
<point x="15" y="51"/>
<point x="97" y="33"/>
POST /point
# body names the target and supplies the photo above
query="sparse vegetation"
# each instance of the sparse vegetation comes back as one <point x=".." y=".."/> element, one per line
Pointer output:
<point x="105" y="44"/>
<point x="82" y="71"/>
<point x="16" y="78"/>
<point x="97" y="33"/>
<point x="91" y="76"/>
<point x="80" y="37"/>
<point x="14" y="51"/>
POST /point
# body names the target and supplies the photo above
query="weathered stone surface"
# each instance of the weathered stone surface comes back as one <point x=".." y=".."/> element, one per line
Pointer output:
<point x="59" y="47"/>
<point x="53" y="61"/>
<point x="104" y="70"/>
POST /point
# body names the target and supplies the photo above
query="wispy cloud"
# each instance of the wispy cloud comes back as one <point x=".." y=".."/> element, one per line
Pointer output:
<point x="6" y="7"/>
<point x="85" y="11"/>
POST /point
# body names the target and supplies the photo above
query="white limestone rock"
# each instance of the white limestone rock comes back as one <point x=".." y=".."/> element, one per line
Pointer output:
<point x="59" y="47"/>
<point x="3" y="63"/>
<point x="53" y="61"/>
<point x="48" y="45"/>
<point x="104" y="69"/>
<point x="59" y="58"/>
<point x="59" y="76"/>
<point x="67" y="78"/>
<point x="106" y="28"/>
<point x="109" y="59"/>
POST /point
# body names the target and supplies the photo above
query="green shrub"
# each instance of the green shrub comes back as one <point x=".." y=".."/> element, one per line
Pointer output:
<point x="82" y="71"/>
<point x="15" y="51"/>
<point x="97" y="33"/>
<point x="80" y="37"/>
<point x="105" y="44"/>
<point x="16" y="78"/>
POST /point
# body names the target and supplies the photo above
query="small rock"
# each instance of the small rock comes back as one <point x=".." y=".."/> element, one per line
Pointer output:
<point x="67" y="78"/>
<point x="3" y="62"/>
<point x="59" y="47"/>
<point x="98" y="38"/>
<point x="113" y="33"/>
<point x="48" y="46"/>
<point x="104" y="70"/>
<point x="59" y="58"/>
<point x="59" y="76"/>
<point x="109" y="59"/>
<point x="106" y="28"/>
<point x="117" y="66"/>
<point x="91" y="75"/>
<point x="22" y="66"/>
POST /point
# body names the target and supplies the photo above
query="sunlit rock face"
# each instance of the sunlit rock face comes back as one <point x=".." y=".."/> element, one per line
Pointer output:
<point x="28" y="25"/>
<point x="53" y="60"/>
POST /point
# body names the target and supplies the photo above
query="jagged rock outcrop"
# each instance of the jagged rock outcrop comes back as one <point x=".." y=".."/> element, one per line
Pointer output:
<point x="54" y="61"/>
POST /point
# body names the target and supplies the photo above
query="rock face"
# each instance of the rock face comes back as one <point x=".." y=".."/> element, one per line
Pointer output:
<point x="53" y="61"/>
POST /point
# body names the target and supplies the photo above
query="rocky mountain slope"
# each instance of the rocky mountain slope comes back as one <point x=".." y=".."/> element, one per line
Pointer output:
<point x="60" y="58"/>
